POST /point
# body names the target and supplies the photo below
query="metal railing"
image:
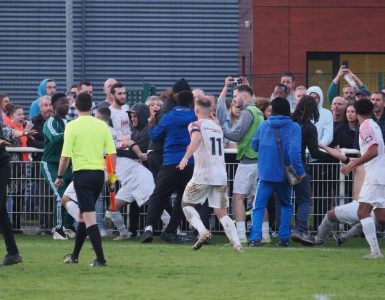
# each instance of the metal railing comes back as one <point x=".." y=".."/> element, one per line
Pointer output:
<point x="31" y="201"/>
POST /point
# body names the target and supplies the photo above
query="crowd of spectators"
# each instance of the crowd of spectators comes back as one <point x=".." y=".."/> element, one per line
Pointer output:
<point x="154" y="135"/>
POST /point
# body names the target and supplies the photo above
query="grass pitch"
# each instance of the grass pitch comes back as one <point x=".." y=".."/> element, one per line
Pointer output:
<point x="163" y="271"/>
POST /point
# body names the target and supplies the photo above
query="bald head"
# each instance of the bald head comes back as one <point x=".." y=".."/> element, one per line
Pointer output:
<point x="338" y="107"/>
<point x="107" y="89"/>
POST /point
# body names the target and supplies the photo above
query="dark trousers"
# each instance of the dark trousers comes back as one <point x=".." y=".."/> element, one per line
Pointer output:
<point x="155" y="162"/>
<point x="168" y="180"/>
<point x="5" y="224"/>
<point x="303" y="204"/>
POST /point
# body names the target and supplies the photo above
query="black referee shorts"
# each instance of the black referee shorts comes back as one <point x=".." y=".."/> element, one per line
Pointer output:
<point x="88" y="185"/>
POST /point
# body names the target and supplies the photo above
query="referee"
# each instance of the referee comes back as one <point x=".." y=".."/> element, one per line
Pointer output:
<point x="86" y="139"/>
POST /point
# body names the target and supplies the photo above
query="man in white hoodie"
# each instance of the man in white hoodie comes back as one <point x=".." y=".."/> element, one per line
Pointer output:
<point x="325" y="123"/>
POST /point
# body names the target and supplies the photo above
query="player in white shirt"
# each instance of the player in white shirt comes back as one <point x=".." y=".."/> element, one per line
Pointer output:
<point x="136" y="181"/>
<point x="372" y="193"/>
<point x="209" y="179"/>
<point x="345" y="214"/>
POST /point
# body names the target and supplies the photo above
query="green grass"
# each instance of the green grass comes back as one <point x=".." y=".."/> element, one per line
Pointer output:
<point x="162" y="271"/>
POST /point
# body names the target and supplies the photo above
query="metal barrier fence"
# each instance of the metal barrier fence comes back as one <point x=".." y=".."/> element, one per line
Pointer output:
<point x="31" y="201"/>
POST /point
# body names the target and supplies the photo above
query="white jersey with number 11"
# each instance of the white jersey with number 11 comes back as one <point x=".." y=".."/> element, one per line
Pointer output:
<point x="209" y="158"/>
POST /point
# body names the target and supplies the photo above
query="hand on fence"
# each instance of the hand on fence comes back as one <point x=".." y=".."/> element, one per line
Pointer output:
<point x="335" y="152"/>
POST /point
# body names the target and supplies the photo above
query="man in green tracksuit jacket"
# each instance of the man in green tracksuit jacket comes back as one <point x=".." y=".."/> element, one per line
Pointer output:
<point x="53" y="131"/>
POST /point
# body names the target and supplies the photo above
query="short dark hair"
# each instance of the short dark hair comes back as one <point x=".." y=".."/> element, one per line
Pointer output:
<point x="57" y="96"/>
<point x="244" y="88"/>
<point x="288" y="74"/>
<point x="105" y="113"/>
<point x="75" y="85"/>
<point x="117" y="85"/>
<point x="364" y="107"/>
<point x="380" y="93"/>
<point x="280" y="106"/>
<point x="185" y="98"/>
<point x="11" y="108"/>
<point x="87" y="83"/>
<point x="83" y="102"/>
<point x="282" y="86"/>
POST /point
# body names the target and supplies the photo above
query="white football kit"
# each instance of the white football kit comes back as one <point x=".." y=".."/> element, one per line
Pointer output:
<point x="136" y="181"/>
<point x="209" y="179"/>
<point x="373" y="189"/>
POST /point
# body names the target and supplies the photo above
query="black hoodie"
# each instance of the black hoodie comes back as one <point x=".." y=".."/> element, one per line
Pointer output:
<point x="140" y="134"/>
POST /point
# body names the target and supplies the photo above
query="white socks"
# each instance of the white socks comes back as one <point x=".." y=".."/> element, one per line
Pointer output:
<point x="324" y="228"/>
<point x="241" y="229"/>
<point x="194" y="219"/>
<point x="265" y="230"/>
<point x="73" y="209"/>
<point x="369" y="229"/>
<point x="354" y="231"/>
<point x="148" y="228"/>
<point x="117" y="219"/>
<point x="165" y="217"/>
<point x="230" y="230"/>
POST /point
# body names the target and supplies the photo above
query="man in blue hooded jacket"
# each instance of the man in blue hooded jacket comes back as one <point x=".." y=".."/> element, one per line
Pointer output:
<point x="46" y="87"/>
<point x="173" y="130"/>
<point x="271" y="172"/>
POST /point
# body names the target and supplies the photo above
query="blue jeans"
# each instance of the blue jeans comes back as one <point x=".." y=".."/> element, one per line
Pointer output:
<point x="303" y="203"/>
<point x="264" y="190"/>
<point x="100" y="210"/>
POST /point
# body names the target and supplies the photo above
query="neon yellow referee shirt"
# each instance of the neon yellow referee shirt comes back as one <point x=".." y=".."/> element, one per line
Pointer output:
<point x="86" y="139"/>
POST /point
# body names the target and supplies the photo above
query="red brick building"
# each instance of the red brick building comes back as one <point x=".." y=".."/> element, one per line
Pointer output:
<point x="311" y="39"/>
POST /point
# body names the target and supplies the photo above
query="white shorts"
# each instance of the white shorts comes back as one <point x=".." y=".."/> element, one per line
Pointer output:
<point x="347" y="213"/>
<point x="70" y="192"/>
<point x="246" y="179"/>
<point x="373" y="194"/>
<point x="195" y="193"/>
<point x="136" y="181"/>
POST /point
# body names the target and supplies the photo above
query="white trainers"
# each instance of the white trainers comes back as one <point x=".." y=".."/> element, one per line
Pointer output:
<point x="202" y="239"/>
<point x="372" y="256"/>
<point x="59" y="235"/>
<point x="69" y="233"/>
<point x="123" y="237"/>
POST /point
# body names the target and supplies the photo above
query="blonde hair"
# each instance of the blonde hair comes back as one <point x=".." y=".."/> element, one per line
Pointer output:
<point x="152" y="98"/>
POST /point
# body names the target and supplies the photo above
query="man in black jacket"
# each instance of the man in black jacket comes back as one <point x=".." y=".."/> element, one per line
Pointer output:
<point x="39" y="186"/>
<point x="13" y="256"/>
